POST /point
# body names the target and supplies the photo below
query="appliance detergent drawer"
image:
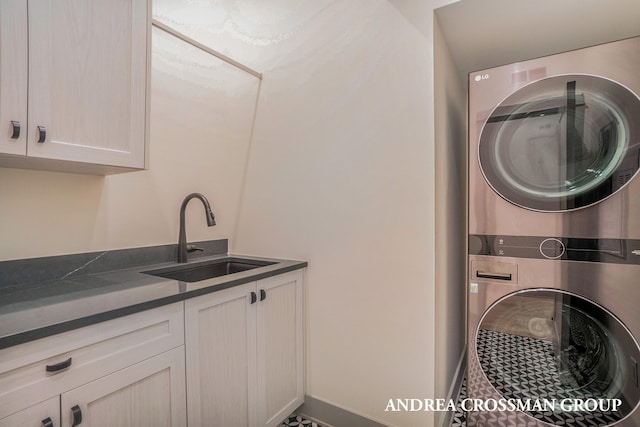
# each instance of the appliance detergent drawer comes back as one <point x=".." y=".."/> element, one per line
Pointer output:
<point x="35" y="371"/>
<point x="501" y="272"/>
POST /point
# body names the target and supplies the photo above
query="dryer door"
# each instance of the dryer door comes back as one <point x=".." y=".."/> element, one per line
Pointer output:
<point x="562" y="143"/>
<point x="541" y="344"/>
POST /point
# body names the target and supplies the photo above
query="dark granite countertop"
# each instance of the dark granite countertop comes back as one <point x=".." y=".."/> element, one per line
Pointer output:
<point x="74" y="299"/>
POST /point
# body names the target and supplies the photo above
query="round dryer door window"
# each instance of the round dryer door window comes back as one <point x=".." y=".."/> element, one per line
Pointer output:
<point x="544" y="346"/>
<point x="562" y="143"/>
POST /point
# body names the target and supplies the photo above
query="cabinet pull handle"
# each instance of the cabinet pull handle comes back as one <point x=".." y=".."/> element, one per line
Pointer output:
<point x="47" y="422"/>
<point x="42" y="134"/>
<point x="15" y="129"/>
<point x="263" y="295"/>
<point x="77" y="416"/>
<point x="59" y="366"/>
<point x="254" y="298"/>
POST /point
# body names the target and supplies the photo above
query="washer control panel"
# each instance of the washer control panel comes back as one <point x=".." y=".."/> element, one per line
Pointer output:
<point x="619" y="251"/>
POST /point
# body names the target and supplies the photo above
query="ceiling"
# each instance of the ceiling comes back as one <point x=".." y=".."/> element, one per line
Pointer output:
<point x="487" y="33"/>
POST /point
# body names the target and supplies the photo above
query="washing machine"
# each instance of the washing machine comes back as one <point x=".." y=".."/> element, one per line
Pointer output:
<point x="554" y="240"/>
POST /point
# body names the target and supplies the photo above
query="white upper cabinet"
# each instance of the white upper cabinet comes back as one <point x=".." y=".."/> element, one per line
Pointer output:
<point x="87" y="82"/>
<point x="13" y="76"/>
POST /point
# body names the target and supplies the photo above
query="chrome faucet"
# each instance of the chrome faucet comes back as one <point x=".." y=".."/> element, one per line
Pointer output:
<point x="182" y="237"/>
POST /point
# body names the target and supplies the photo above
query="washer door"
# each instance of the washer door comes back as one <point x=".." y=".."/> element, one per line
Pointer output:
<point x="562" y="143"/>
<point x="549" y="344"/>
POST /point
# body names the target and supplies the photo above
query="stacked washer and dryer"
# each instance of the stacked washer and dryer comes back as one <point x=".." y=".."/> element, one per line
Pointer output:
<point x="554" y="240"/>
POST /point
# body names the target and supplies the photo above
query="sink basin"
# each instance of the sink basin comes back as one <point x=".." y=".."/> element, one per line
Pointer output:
<point x="208" y="270"/>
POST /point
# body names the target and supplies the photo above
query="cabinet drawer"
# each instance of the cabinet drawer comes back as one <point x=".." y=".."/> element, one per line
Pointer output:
<point x="94" y="351"/>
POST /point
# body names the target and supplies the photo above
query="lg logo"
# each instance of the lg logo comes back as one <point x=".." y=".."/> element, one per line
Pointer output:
<point x="481" y="77"/>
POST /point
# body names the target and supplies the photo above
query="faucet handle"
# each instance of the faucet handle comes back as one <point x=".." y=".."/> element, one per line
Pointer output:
<point x="193" y="248"/>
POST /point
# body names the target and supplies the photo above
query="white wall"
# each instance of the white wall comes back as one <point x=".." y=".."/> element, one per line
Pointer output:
<point x="201" y="118"/>
<point x="342" y="174"/>
<point x="451" y="220"/>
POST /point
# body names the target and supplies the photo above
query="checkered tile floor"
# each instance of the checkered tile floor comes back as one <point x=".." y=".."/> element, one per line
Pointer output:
<point x="297" y="421"/>
<point x="460" y="417"/>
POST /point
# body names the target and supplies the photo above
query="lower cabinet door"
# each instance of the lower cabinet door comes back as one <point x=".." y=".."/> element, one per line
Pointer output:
<point x="148" y="394"/>
<point x="44" y="414"/>
<point x="279" y="348"/>
<point x="220" y="341"/>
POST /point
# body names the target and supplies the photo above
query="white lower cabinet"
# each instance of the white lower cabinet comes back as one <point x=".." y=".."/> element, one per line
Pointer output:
<point x="126" y="372"/>
<point x="43" y="414"/>
<point x="150" y="393"/>
<point x="220" y="357"/>
<point x="229" y="358"/>
<point x="280" y="367"/>
<point x="244" y="353"/>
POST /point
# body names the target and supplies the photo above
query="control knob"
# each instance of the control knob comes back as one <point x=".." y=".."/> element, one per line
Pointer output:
<point x="552" y="248"/>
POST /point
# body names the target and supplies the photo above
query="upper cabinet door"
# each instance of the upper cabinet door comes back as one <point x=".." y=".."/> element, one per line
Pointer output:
<point x="13" y="76"/>
<point x="87" y="81"/>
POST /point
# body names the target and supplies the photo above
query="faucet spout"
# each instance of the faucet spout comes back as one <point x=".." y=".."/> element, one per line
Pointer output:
<point x="182" y="237"/>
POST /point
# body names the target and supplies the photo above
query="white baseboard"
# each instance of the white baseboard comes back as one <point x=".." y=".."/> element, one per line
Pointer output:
<point x="329" y="415"/>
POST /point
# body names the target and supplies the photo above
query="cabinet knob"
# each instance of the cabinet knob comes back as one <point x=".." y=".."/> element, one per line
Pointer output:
<point x="42" y="134"/>
<point x="263" y="295"/>
<point x="15" y="129"/>
<point x="77" y="416"/>
<point x="254" y="298"/>
<point x="47" y="422"/>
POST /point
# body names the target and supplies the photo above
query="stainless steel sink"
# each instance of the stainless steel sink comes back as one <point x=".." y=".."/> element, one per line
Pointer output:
<point x="197" y="272"/>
